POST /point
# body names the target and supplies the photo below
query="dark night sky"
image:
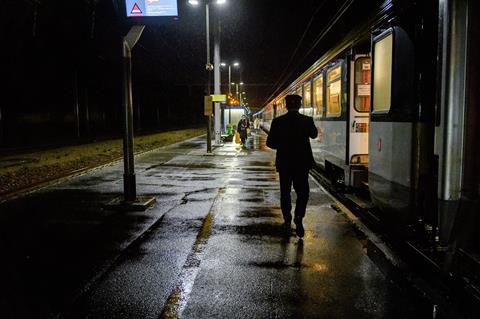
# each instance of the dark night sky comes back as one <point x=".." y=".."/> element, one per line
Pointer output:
<point x="63" y="61"/>
<point x="261" y="34"/>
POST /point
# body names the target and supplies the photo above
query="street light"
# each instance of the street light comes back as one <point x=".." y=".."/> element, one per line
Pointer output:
<point x="209" y="68"/>
<point x="237" y="92"/>
<point x="235" y="64"/>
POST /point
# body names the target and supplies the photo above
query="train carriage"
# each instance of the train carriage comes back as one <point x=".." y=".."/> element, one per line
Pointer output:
<point x="336" y="94"/>
<point x="396" y="105"/>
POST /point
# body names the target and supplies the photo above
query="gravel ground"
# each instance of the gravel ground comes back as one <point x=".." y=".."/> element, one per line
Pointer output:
<point x="24" y="171"/>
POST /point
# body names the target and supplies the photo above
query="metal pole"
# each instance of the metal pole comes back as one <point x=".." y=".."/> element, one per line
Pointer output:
<point x="230" y="92"/>
<point x="216" y="63"/>
<point x="229" y="79"/>
<point x="208" y="67"/>
<point x="238" y="99"/>
<point x="129" y="183"/>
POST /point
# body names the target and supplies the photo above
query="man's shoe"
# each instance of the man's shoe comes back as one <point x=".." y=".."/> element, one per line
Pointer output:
<point x="299" y="230"/>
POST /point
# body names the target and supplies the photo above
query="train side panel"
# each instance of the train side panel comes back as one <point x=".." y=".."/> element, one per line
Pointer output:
<point x="390" y="166"/>
<point x="331" y="144"/>
<point x="392" y="127"/>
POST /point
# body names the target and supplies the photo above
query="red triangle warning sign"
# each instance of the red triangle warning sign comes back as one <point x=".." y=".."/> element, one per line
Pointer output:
<point x="136" y="9"/>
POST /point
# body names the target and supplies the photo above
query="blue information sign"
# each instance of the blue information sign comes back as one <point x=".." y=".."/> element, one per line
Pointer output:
<point x="151" y="8"/>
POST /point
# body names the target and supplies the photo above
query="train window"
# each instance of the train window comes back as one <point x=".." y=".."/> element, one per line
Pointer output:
<point x="362" y="85"/>
<point x="281" y="104"/>
<point x="382" y="74"/>
<point x="307" y="91"/>
<point x="334" y="92"/>
<point x="334" y="74"/>
<point x="318" y="95"/>
<point x="298" y="91"/>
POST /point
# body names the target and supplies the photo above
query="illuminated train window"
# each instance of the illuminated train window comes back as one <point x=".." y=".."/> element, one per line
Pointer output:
<point x="299" y="91"/>
<point x="281" y="107"/>
<point x="362" y="85"/>
<point x="334" y="92"/>
<point x="307" y="91"/>
<point x="382" y="74"/>
<point x="318" y="95"/>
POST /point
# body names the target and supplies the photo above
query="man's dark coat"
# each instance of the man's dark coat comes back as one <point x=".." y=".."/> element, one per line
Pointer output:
<point x="290" y="135"/>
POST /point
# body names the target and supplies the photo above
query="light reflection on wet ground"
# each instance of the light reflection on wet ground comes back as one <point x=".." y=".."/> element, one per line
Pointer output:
<point x="212" y="247"/>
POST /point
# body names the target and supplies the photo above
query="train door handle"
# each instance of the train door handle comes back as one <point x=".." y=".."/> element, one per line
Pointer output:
<point x="379" y="144"/>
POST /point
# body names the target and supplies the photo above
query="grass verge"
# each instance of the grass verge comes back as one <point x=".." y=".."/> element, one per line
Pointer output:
<point x="27" y="170"/>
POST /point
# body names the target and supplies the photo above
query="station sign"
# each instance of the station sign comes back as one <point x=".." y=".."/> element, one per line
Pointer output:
<point x="151" y="8"/>
<point x="219" y="98"/>
<point x="208" y="106"/>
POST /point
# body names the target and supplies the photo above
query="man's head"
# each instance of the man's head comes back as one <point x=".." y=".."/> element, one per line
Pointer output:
<point x="293" y="101"/>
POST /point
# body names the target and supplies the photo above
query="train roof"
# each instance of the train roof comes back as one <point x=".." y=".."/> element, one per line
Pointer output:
<point x="352" y="39"/>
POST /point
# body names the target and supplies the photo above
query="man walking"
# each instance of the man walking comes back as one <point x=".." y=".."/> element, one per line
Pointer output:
<point x="289" y="135"/>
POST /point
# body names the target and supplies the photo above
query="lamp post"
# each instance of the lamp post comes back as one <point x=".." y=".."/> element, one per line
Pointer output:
<point x="237" y="95"/>
<point x="242" y="97"/>
<point x="210" y="68"/>
<point x="236" y="65"/>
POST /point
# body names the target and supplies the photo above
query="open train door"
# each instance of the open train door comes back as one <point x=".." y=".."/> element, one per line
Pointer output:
<point x="359" y="120"/>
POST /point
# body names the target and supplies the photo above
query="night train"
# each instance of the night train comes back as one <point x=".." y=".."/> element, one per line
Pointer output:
<point x="397" y="106"/>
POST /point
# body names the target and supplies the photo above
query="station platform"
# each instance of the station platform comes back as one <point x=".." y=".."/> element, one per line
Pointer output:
<point x="212" y="246"/>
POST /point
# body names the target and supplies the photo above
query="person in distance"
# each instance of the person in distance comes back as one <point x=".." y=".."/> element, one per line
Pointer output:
<point x="290" y="135"/>
<point x="242" y="130"/>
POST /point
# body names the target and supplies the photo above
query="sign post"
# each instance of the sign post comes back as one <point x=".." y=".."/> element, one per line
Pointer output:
<point x="219" y="98"/>
<point x="135" y="9"/>
<point x="151" y="8"/>
<point x="129" y="182"/>
<point x="208" y="109"/>
<point x="217" y="81"/>
<point x="130" y="200"/>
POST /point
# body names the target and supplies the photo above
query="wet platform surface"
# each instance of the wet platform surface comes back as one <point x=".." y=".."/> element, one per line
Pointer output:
<point x="211" y="247"/>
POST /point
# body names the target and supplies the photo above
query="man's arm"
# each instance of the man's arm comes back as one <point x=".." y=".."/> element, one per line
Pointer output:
<point x="272" y="139"/>
<point x="313" y="132"/>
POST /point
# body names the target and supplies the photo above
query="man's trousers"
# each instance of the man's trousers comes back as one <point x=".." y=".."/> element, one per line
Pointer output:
<point x="299" y="179"/>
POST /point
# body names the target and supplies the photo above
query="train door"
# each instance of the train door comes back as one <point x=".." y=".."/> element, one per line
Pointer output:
<point x="359" y="119"/>
<point x="392" y="122"/>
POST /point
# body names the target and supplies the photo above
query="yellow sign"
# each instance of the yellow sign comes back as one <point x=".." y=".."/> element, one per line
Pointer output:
<point x="219" y="98"/>
<point x="208" y="109"/>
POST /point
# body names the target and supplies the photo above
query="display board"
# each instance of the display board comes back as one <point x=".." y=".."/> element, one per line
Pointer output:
<point x="219" y="98"/>
<point x="151" y="8"/>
